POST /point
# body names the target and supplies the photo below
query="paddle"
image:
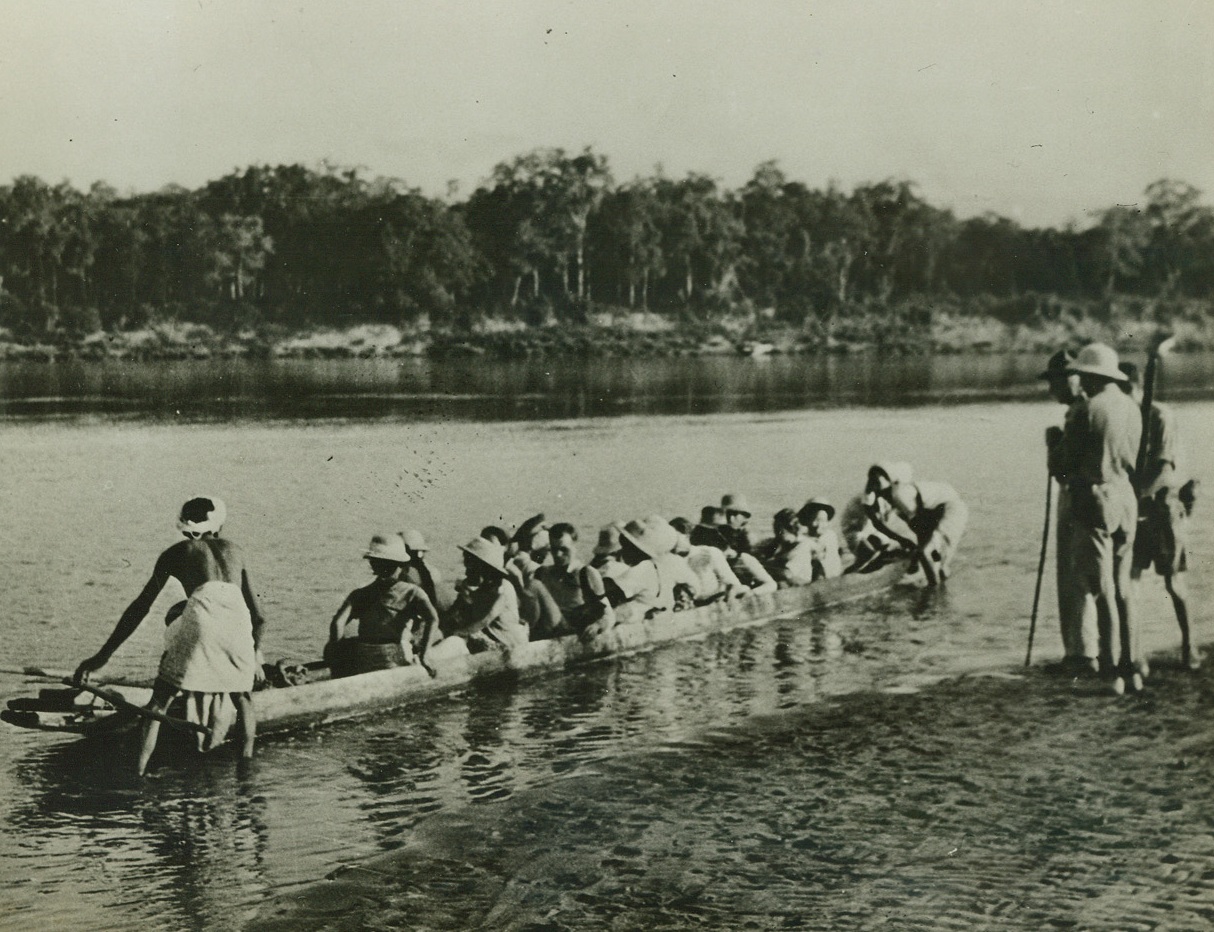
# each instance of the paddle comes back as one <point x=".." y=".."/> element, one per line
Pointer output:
<point x="45" y="673"/>
<point x="120" y="703"/>
<point x="1045" y="543"/>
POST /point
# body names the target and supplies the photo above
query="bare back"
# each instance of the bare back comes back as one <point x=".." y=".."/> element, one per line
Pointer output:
<point x="207" y="559"/>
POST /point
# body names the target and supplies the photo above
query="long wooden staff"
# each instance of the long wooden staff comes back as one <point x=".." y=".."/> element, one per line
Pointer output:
<point x="1163" y="343"/>
<point x="1045" y="543"/>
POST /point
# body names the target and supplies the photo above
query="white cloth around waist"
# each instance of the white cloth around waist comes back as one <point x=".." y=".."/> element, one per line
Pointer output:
<point x="209" y="647"/>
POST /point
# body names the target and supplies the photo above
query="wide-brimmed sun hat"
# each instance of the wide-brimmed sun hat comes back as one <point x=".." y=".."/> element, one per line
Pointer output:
<point x="736" y="503"/>
<point x="642" y="537"/>
<point x="414" y="540"/>
<point x="806" y="514"/>
<point x="1098" y="359"/>
<point x="665" y="537"/>
<point x="1058" y="365"/>
<point x="390" y="547"/>
<point x="215" y="515"/>
<point x="488" y="552"/>
<point x="609" y="541"/>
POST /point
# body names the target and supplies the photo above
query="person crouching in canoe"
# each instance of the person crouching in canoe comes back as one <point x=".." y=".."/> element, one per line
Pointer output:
<point x="211" y="650"/>
<point x="389" y="623"/>
<point x="933" y="511"/>
<point x="485" y="612"/>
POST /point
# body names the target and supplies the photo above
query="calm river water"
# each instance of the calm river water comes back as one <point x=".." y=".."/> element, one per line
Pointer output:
<point x="827" y="772"/>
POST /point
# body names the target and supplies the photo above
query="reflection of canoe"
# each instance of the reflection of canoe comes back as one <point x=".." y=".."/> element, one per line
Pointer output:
<point x="326" y="700"/>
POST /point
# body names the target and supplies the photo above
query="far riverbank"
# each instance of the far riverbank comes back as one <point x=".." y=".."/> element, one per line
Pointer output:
<point x="906" y="330"/>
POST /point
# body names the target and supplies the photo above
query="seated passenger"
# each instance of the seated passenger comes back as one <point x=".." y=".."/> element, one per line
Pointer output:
<point x="933" y="511"/>
<point x="389" y="623"/>
<point x="815" y="517"/>
<point x="535" y="604"/>
<point x="788" y="556"/>
<point x="675" y="573"/>
<point x="737" y="517"/>
<point x="418" y="571"/>
<point x="870" y="547"/>
<point x="746" y="567"/>
<point x="606" y="557"/>
<point x="636" y="590"/>
<point x="716" y="580"/>
<point x="485" y="611"/>
<point x="577" y="589"/>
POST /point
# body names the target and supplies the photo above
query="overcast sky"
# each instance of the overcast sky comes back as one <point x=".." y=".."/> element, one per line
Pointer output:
<point x="1042" y="111"/>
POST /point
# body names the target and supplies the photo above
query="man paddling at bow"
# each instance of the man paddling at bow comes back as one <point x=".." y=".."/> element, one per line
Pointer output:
<point x="211" y="646"/>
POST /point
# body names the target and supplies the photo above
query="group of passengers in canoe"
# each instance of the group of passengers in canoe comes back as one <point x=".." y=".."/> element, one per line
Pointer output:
<point x="533" y="585"/>
<point x="529" y="585"/>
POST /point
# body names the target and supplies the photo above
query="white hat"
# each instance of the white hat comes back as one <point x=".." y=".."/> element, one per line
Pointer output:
<point x="736" y="503"/>
<point x="488" y="552"/>
<point x="414" y="540"/>
<point x="216" y="515"/>
<point x="388" y="547"/>
<point x="1098" y="359"/>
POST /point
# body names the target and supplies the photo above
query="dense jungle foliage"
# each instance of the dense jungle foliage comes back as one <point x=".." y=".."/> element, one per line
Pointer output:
<point x="552" y="238"/>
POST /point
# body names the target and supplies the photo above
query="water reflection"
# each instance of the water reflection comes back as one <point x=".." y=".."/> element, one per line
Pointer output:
<point x="420" y="389"/>
<point x="183" y="851"/>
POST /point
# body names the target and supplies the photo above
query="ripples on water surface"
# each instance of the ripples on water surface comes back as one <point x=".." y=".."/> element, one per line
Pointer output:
<point x="761" y="778"/>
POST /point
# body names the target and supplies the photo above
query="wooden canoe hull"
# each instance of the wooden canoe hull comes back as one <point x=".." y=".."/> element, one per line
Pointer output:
<point x="332" y="700"/>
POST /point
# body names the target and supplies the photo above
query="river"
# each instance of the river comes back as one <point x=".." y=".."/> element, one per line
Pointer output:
<point x="828" y="772"/>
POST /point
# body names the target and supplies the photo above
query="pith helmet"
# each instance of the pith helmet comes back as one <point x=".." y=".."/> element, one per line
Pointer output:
<point x="641" y="537"/>
<point x="488" y="552"/>
<point x="1098" y="359"/>
<point x="665" y="537"/>
<point x="388" y="547"/>
<point x="414" y="540"/>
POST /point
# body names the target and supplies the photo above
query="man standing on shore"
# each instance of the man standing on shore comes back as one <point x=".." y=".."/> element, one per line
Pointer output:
<point x="1099" y="449"/>
<point x="1076" y="608"/>
<point x="1162" y="515"/>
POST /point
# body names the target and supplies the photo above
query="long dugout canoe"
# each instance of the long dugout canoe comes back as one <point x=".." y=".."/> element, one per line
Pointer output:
<point x="318" y="703"/>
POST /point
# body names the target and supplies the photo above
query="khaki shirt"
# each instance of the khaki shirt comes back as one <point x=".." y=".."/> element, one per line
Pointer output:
<point x="1100" y="443"/>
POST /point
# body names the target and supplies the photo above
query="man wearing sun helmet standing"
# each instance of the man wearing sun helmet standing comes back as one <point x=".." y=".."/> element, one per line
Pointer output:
<point x="1096" y="460"/>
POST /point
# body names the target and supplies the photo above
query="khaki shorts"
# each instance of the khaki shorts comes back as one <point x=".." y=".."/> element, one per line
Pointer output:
<point x="1163" y="535"/>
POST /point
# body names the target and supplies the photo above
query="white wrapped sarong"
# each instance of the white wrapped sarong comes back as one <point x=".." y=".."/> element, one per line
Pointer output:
<point x="209" y="647"/>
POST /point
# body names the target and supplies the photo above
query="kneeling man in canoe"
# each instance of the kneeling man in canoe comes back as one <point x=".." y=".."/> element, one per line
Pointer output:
<point x="211" y="647"/>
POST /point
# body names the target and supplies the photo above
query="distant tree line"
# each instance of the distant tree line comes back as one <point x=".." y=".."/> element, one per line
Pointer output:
<point x="552" y="236"/>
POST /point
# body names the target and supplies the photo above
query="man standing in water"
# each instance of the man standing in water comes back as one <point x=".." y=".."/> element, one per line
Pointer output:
<point x="1076" y="608"/>
<point x="1162" y="514"/>
<point x="1097" y="458"/>
<point x="211" y="648"/>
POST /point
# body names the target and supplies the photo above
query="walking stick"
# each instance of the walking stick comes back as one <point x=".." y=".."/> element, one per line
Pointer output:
<point x="1045" y="543"/>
